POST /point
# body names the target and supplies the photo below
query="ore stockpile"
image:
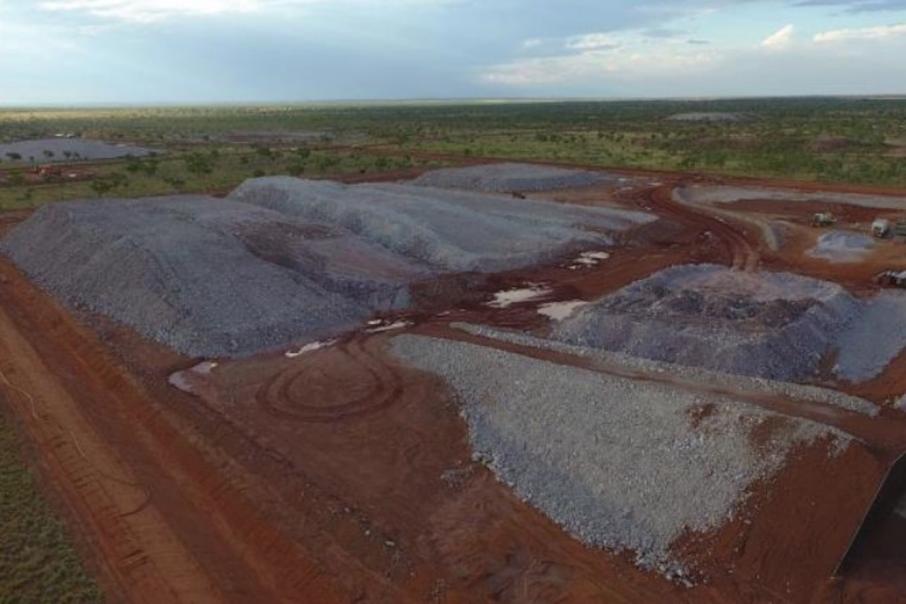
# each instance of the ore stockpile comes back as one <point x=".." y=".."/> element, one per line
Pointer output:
<point x="510" y="177"/>
<point x="282" y="259"/>
<point x="612" y="459"/>
<point x="769" y="325"/>
<point x="445" y="230"/>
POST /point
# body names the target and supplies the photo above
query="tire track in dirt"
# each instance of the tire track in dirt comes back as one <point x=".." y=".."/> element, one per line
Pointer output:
<point x="741" y="247"/>
<point x="308" y="392"/>
<point x="140" y="555"/>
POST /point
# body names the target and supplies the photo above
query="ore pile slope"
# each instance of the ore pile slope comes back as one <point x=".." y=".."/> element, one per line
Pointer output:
<point x="770" y="325"/>
<point x="299" y="259"/>
<point x="204" y="276"/>
<point x="633" y="464"/>
<point x="510" y="177"/>
<point x="445" y="230"/>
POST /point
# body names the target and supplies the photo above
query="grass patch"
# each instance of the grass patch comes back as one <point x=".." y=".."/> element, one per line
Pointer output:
<point x="207" y="169"/>
<point x="210" y="149"/>
<point x="37" y="560"/>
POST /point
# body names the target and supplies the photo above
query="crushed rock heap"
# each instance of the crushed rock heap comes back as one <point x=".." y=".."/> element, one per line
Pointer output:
<point x="511" y="177"/>
<point x="282" y="259"/>
<point x="771" y="325"/>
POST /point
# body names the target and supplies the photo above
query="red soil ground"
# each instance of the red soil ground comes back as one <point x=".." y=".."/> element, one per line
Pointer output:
<point x="343" y="476"/>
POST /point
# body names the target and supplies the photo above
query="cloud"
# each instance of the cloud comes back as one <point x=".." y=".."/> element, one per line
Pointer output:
<point x="780" y="39"/>
<point x="600" y="64"/>
<point x="143" y="11"/>
<point x="858" y="6"/>
<point x="881" y="32"/>
<point x="148" y="11"/>
<point x="596" y="41"/>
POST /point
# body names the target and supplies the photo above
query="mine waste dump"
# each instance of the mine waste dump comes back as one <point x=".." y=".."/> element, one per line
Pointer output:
<point x="770" y="325"/>
<point x="510" y="177"/>
<point x="283" y="259"/>
<point x="624" y="458"/>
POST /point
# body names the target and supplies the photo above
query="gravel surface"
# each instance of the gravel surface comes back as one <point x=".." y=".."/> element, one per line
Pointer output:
<point x="446" y="230"/>
<point x="302" y="259"/>
<point x="771" y="325"/>
<point x="842" y="246"/>
<point x="207" y="277"/>
<point x="618" y="462"/>
<point x="777" y="326"/>
<point x="867" y="346"/>
<point x="737" y="383"/>
<point x="508" y="177"/>
<point x="86" y="149"/>
<point x="728" y="194"/>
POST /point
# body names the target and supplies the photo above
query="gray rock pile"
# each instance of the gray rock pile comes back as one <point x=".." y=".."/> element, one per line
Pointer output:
<point x="616" y="461"/>
<point x="193" y="273"/>
<point x="446" y="230"/>
<point x="283" y="259"/>
<point x="510" y="178"/>
<point x="842" y="246"/>
<point x="777" y="326"/>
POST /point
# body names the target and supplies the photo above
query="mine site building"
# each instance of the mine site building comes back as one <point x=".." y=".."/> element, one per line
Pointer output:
<point x="881" y="227"/>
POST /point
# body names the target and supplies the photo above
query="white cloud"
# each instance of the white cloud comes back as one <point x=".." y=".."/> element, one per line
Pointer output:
<point x="621" y="63"/>
<point x="780" y="39"/>
<point x="881" y="32"/>
<point x="143" y="11"/>
<point x="532" y="43"/>
<point x="147" y="11"/>
<point x="594" y="41"/>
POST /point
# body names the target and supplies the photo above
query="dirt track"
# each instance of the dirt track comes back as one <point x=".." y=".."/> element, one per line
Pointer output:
<point x="347" y="477"/>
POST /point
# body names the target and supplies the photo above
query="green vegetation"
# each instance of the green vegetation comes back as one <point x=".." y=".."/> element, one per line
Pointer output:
<point x="37" y="560"/>
<point x="210" y="149"/>
<point x="207" y="170"/>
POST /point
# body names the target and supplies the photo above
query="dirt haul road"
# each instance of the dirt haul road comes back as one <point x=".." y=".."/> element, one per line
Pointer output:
<point x="347" y="477"/>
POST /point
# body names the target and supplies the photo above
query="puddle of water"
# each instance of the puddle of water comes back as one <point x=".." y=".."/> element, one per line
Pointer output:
<point x="310" y="347"/>
<point x="901" y="404"/>
<point x="181" y="379"/>
<point x="508" y="297"/>
<point x="205" y="368"/>
<point x="390" y="326"/>
<point x="589" y="259"/>
<point x="561" y="310"/>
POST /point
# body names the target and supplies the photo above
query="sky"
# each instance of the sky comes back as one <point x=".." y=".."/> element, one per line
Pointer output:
<point x="71" y="52"/>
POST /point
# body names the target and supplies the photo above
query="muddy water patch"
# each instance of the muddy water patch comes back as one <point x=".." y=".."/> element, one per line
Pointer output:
<point x="185" y="380"/>
<point x="509" y="297"/>
<point x="309" y="348"/>
<point x="559" y="311"/>
<point x="590" y="259"/>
